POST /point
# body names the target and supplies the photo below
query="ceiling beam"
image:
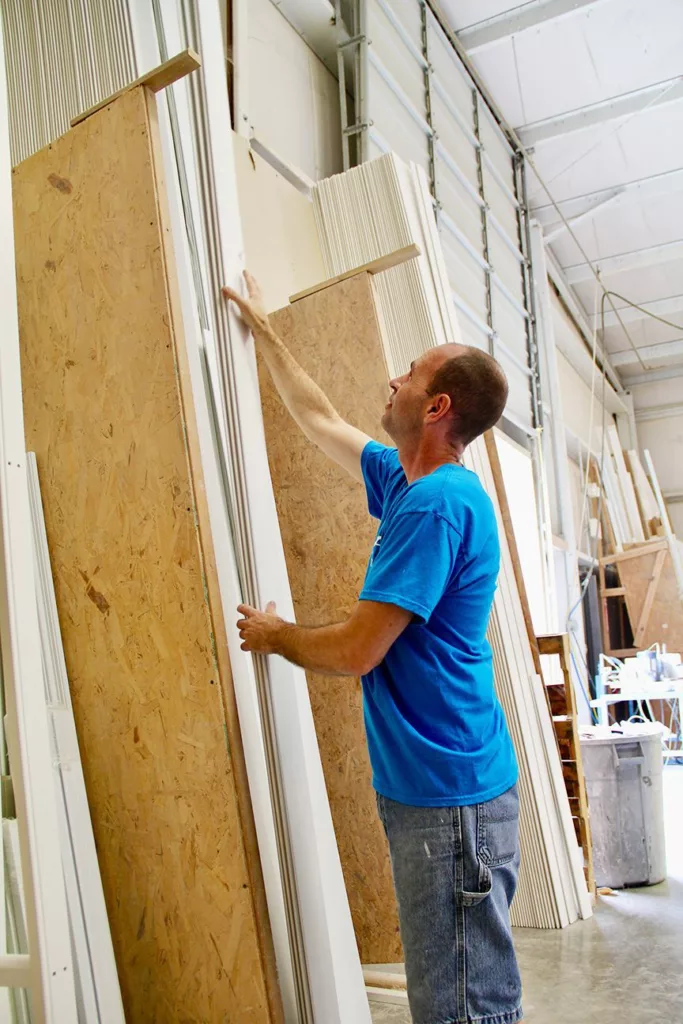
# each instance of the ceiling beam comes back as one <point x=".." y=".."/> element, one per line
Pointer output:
<point x="638" y="259"/>
<point x="625" y="105"/>
<point x="525" y="16"/>
<point x="659" y="412"/>
<point x="591" y="209"/>
<point x="653" y="376"/>
<point x="651" y="354"/>
<point x="668" y="307"/>
<point x="630" y="191"/>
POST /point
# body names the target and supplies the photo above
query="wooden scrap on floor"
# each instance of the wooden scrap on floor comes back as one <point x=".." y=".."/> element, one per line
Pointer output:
<point x="158" y="78"/>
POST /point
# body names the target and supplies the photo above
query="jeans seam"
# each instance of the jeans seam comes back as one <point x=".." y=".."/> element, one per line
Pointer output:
<point x="460" y="937"/>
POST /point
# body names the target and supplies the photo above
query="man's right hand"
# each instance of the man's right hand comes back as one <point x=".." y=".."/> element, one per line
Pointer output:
<point x="251" y="310"/>
<point x="308" y="405"/>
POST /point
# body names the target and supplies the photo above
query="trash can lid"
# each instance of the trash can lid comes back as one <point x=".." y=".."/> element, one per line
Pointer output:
<point x="624" y="732"/>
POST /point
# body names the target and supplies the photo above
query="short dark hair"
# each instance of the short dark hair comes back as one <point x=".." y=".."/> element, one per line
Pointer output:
<point x="478" y="390"/>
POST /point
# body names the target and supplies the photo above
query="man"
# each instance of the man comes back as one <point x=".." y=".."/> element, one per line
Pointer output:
<point x="443" y="764"/>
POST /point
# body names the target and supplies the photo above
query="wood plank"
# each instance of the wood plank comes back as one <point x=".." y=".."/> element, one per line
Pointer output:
<point x="648" y="548"/>
<point x="665" y="619"/>
<point x="652" y="585"/>
<point x="109" y="418"/>
<point x="327" y="536"/>
<point x="613" y="592"/>
<point x="158" y="78"/>
<point x="392" y="259"/>
<point x="497" y="471"/>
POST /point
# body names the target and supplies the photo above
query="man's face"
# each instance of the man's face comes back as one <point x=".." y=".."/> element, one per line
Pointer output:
<point x="404" y="413"/>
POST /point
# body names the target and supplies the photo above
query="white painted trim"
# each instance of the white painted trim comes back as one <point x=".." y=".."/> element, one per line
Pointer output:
<point x="51" y="967"/>
<point x="97" y="983"/>
<point x="519" y="19"/>
<point x="625" y="105"/>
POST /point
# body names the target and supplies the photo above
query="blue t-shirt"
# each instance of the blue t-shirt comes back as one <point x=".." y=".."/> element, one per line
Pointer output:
<point x="436" y="731"/>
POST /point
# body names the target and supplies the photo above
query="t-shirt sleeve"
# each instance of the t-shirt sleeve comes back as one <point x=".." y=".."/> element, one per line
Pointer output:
<point x="413" y="563"/>
<point x="377" y="462"/>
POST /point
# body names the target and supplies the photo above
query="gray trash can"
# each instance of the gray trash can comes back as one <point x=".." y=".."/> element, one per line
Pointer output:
<point x="626" y="805"/>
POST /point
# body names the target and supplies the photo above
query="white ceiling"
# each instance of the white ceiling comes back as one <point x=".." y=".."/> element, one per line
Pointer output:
<point x="595" y="90"/>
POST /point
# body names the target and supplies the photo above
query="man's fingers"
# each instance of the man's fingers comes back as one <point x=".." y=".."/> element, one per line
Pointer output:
<point x="245" y="609"/>
<point x="252" y="285"/>
<point x="230" y="293"/>
<point x="270" y="608"/>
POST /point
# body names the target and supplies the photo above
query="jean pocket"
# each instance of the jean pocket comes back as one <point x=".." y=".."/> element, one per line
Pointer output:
<point x="471" y="899"/>
<point x="499" y="829"/>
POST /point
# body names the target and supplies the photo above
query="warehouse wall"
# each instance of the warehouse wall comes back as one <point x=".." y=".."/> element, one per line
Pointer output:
<point x="292" y="100"/>
<point x="659" y="421"/>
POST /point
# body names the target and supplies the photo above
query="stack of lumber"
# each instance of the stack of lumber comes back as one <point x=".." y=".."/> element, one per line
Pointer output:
<point x="363" y="214"/>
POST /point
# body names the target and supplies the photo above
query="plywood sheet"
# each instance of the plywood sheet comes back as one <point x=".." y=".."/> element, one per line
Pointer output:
<point x="108" y="417"/>
<point x="327" y="535"/>
<point x="665" y="621"/>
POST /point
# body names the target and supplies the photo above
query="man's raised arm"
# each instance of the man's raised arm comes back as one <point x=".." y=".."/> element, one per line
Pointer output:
<point x="308" y="405"/>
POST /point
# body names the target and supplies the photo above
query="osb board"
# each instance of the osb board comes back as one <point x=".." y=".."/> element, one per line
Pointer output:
<point x="327" y="535"/>
<point x="103" y="413"/>
<point x="278" y="227"/>
<point x="665" y="622"/>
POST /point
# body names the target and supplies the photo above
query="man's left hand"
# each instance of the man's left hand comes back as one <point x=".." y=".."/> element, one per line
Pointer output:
<point x="259" y="630"/>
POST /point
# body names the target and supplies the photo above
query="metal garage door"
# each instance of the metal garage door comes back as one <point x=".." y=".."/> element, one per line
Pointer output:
<point x="417" y="99"/>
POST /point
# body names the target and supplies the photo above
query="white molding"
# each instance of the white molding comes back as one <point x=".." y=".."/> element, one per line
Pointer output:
<point x="97" y="983"/>
<point x="519" y="19"/>
<point x="636" y="259"/>
<point x="593" y="114"/>
<point x="51" y="968"/>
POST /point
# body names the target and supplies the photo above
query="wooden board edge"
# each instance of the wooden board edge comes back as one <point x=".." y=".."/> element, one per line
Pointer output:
<point x="392" y="259"/>
<point x="165" y="74"/>
<point x="234" y="736"/>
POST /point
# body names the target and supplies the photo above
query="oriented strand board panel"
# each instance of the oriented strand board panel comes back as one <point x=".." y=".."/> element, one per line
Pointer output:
<point x="109" y="415"/>
<point x="280" y="237"/>
<point x="327" y="535"/>
<point x="665" y="621"/>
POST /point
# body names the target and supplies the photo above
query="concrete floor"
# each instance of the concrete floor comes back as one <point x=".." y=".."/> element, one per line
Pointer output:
<point x="624" y="966"/>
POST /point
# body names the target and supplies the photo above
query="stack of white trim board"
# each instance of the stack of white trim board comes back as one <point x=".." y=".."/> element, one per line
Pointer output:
<point x="363" y="214"/>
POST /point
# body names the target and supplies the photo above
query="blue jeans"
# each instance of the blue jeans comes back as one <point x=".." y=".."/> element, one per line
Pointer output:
<point x="455" y="873"/>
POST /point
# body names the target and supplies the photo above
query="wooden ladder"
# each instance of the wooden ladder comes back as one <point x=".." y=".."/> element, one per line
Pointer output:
<point x="566" y="724"/>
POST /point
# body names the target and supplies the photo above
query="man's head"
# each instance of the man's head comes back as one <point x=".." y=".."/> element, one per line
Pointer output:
<point x="451" y="394"/>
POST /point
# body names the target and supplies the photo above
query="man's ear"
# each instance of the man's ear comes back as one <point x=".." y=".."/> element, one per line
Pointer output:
<point x="438" y="407"/>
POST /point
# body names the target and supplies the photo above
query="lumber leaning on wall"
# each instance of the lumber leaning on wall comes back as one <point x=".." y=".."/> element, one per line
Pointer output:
<point x="109" y="414"/>
<point x="327" y="535"/>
